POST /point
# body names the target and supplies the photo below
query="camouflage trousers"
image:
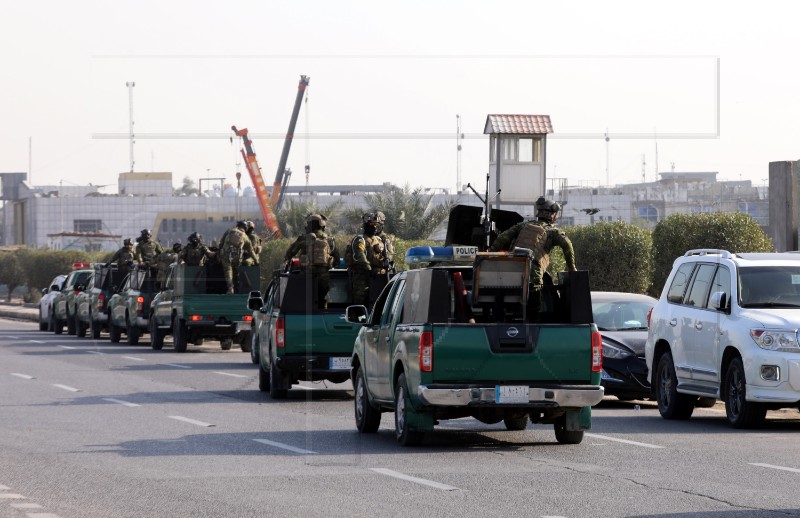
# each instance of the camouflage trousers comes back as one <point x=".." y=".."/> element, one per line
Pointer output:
<point x="323" y="285"/>
<point x="230" y="268"/>
<point x="359" y="282"/>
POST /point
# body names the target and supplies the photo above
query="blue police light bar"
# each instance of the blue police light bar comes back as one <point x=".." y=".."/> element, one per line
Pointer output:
<point x="429" y="254"/>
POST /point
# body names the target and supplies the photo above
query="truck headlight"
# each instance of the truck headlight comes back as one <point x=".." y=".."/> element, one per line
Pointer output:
<point x="784" y="340"/>
<point x="615" y="352"/>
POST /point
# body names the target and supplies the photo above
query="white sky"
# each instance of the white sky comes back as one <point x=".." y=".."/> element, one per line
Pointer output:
<point x="381" y="69"/>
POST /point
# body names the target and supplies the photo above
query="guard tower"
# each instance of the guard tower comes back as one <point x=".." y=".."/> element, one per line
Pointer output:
<point x="517" y="156"/>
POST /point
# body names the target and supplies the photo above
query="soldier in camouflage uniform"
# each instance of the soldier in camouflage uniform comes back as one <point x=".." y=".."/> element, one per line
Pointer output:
<point x="194" y="253"/>
<point x="164" y="260"/>
<point x="124" y="257"/>
<point x="373" y="255"/>
<point x="147" y="250"/>
<point x="255" y="240"/>
<point x="233" y="248"/>
<point x="318" y="253"/>
<point x="540" y="237"/>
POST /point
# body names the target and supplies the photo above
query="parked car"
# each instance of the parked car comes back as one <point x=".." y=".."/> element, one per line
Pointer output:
<point x="64" y="303"/>
<point x="621" y="319"/>
<point x="725" y="328"/>
<point x="46" y="306"/>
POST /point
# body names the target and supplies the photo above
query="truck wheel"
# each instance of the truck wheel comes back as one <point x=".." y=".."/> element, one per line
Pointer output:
<point x="43" y="324"/>
<point x="254" y="347"/>
<point x="114" y="333"/>
<point x="80" y="328"/>
<point x="133" y="333"/>
<point x="180" y="335"/>
<point x="671" y="404"/>
<point x="58" y="326"/>
<point x="275" y="380"/>
<point x="740" y="412"/>
<point x="516" y="424"/>
<point x="70" y="324"/>
<point x="565" y="436"/>
<point x="96" y="330"/>
<point x="226" y="343"/>
<point x="402" y="410"/>
<point x="247" y="342"/>
<point x="263" y="379"/>
<point x="368" y="419"/>
<point x="51" y="322"/>
<point x="156" y="335"/>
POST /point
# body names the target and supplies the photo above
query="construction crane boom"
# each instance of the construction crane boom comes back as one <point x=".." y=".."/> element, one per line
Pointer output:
<point x="258" y="182"/>
<point x="277" y="186"/>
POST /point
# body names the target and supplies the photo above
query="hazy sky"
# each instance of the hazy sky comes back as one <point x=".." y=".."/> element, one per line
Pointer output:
<point x="387" y="81"/>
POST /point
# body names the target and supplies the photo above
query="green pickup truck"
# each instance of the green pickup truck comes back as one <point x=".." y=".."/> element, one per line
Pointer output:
<point x="447" y="342"/>
<point x="293" y="339"/>
<point x="194" y="306"/>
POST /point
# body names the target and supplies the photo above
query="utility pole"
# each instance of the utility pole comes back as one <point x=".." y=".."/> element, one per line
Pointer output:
<point x="130" y="85"/>
<point x="30" y="158"/>
<point x="608" y="178"/>
<point x="459" y="137"/>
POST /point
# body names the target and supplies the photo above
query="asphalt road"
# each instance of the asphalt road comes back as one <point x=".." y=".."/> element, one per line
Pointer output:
<point x="94" y="429"/>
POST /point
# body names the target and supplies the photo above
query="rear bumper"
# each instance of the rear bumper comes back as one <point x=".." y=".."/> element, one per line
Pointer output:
<point x="575" y="396"/>
<point x="313" y="367"/>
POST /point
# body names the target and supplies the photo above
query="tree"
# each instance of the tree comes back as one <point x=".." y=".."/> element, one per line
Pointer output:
<point x="12" y="271"/>
<point x="410" y="213"/>
<point x="187" y="188"/>
<point x="292" y="217"/>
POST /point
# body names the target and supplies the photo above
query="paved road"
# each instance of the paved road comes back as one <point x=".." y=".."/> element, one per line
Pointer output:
<point x="94" y="429"/>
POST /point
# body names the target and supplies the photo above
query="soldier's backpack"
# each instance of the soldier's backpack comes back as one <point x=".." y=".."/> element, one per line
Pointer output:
<point x="533" y="237"/>
<point x="318" y="251"/>
<point x="235" y="238"/>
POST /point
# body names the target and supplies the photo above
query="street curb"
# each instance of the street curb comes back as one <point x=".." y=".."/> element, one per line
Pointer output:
<point x="19" y="314"/>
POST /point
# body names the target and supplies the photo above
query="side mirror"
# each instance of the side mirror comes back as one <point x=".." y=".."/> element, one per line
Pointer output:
<point x="719" y="300"/>
<point x="255" y="303"/>
<point x="44" y="291"/>
<point x="356" y="314"/>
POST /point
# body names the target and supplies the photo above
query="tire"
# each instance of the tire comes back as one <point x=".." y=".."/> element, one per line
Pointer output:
<point x="275" y="379"/>
<point x="402" y="428"/>
<point x="156" y="335"/>
<point x="70" y="324"/>
<point x="133" y="333"/>
<point x="263" y="379"/>
<point x="671" y="404"/>
<point x="58" y="325"/>
<point x="180" y="335"/>
<point x="564" y="436"/>
<point x="368" y="419"/>
<point x="80" y="328"/>
<point x="254" y="348"/>
<point x="226" y="344"/>
<point x="51" y="322"/>
<point x="43" y="325"/>
<point x="96" y="328"/>
<point x="114" y="333"/>
<point x="740" y="412"/>
<point x="516" y="424"/>
<point x="247" y="342"/>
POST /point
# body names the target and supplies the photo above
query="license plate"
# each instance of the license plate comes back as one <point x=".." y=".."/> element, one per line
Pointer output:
<point x="465" y="252"/>
<point x="511" y="394"/>
<point x="339" y="363"/>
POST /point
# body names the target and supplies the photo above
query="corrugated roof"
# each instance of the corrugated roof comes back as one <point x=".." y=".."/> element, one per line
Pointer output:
<point x="518" y="124"/>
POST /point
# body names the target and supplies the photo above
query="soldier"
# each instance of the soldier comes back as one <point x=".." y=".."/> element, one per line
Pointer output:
<point x="539" y="237"/>
<point x="164" y="260"/>
<point x="318" y="253"/>
<point x="147" y="250"/>
<point x="233" y="248"/>
<point x="255" y="240"/>
<point x="195" y="253"/>
<point x="124" y="257"/>
<point x="371" y="259"/>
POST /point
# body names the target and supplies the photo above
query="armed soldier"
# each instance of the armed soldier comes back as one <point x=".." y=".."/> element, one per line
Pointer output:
<point x="164" y="260"/>
<point x="371" y="259"/>
<point x="255" y="240"/>
<point x="318" y="254"/>
<point x="233" y="248"/>
<point x="540" y="237"/>
<point x="147" y="250"/>
<point x="195" y="253"/>
<point x="124" y="257"/>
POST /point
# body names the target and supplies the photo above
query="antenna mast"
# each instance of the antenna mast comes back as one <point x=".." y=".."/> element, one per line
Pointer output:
<point x="130" y="85"/>
<point x="459" y="137"/>
<point x="608" y="178"/>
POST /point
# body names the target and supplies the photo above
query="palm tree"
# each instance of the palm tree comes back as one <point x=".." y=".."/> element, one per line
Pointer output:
<point x="410" y="213"/>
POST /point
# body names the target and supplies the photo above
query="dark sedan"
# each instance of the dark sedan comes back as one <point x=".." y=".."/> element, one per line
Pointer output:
<point x="622" y="321"/>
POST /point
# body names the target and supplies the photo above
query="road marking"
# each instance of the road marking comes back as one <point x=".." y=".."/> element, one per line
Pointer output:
<point x="134" y="358"/>
<point x="23" y="376"/>
<point x="42" y="515"/>
<point x="66" y="387"/>
<point x="66" y="347"/>
<point x="119" y="402"/>
<point x="229" y="374"/>
<point x="176" y="365"/>
<point x="15" y="338"/>
<point x="4" y="488"/>
<point x="33" y="341"/>
<point x="26" y="505"/>
<point x="793" y="470"/>
<point x="285" y="446"/>
<point x="10" y="496"/>
<point x="94" y="352"/>
<point x="191" y="421"/>
<point x="607" y="438"/>
<point x="424" y="482"/>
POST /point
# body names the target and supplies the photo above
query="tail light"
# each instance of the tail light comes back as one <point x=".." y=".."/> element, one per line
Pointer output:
<point x="247" y="318"/>
<point x="139" y="304"/>
<point x="280" y="333"/>
<point x="426" y="351"/>
<point x="597" y="352"/>
<point x="648" y="316"/>
<point x="101" y="302"/>
<point x="196" y="318"/>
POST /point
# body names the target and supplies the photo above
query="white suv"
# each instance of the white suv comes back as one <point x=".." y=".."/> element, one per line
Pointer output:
<point x="726" y="327"/>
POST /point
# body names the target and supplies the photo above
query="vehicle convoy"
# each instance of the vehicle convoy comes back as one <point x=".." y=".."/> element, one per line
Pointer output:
<point x="65" y="307"/>
<point x="194" y="306"/>
<point x="293" y="339"/>
<point x="46" y="306"/>
<point x="447" y="342"/>
<point x="92" y="302"/>
<point x="129" y="308"/>
<point x="726" y="327"/>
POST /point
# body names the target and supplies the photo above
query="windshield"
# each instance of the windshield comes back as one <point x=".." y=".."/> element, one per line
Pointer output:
<point x="621" y="315"/>
<point x="769" y="287"/>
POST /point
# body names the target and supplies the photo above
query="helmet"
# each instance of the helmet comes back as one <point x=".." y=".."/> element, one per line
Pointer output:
<point x="242" y="224"/>
<point x="250" y="226"/>
<point x="546" y="209"/>
<point x="127" y="242"/>
<point x="373" y="222"/>
<point x="315" y="221"/>
<point x="146" y="234"/>
<point x="176" y="247"/>
<point x="195" y="238"/>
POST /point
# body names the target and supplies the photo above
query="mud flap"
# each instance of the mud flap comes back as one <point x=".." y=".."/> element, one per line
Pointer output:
<point x="419" y="421"/>
<point x="579" y="419"/>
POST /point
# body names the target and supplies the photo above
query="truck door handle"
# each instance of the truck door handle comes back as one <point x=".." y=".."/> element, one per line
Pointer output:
<point x="698" y="325"/>
<point x="673" y="322"/>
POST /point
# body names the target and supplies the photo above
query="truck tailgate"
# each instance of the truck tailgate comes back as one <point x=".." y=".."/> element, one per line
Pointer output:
<point x="228" y="307"/>
<point x="315" y="333"/>
<point x="525" y="352"/>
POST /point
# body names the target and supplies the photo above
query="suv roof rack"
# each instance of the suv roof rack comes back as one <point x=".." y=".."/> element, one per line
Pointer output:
<point x="709" y="251"/>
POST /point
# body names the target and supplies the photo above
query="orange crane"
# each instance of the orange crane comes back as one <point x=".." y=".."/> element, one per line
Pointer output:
<point x="258" y="182"/>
